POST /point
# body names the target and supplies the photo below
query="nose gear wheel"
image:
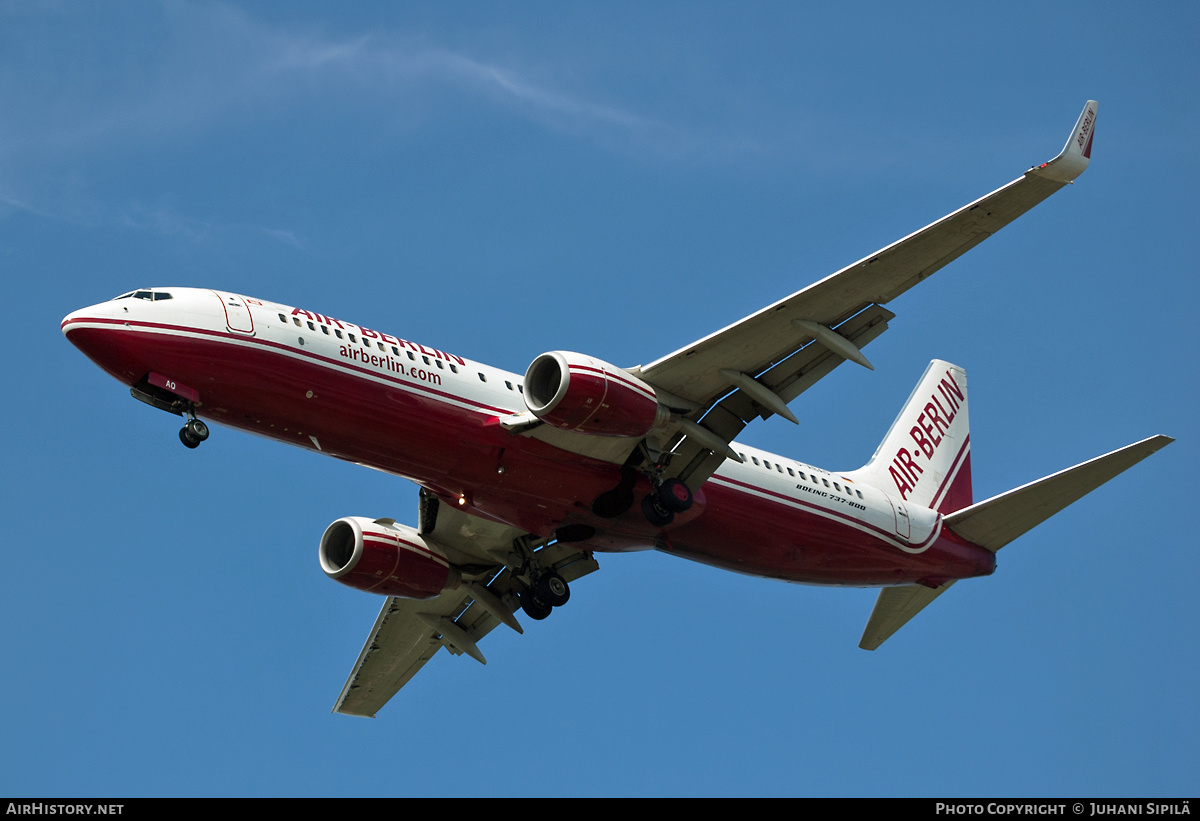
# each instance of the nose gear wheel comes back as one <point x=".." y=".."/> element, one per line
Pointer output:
<point x="193" y="433"/>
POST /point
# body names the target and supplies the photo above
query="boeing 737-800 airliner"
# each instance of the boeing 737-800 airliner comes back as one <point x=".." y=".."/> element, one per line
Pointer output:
<point x="523" y="478"/>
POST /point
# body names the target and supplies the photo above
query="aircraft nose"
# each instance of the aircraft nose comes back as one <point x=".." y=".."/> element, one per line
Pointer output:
<point x="74" y="318"/>
<point x="89" y="317"/>
<point x="102" y="337"/>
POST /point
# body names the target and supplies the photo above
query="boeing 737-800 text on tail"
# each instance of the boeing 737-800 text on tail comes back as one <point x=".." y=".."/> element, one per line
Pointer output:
<point x="524" y="478"/>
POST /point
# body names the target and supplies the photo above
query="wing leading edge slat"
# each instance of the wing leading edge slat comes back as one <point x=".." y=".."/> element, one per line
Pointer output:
<point x="768" y="336"/>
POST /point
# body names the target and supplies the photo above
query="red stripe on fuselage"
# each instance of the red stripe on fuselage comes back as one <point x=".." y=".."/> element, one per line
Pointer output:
<point x="243" y="340"/>
<point x="802" y="503"/>
<point x="440" y="440"/>
<point x="749" y="533"/>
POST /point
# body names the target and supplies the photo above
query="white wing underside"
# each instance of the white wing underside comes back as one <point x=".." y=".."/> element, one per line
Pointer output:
<point x="777" y="347"/>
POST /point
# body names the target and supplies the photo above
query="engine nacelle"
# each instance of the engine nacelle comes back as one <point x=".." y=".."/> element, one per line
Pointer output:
<point x="388" y="559"/>
<point x="578" y="393"/>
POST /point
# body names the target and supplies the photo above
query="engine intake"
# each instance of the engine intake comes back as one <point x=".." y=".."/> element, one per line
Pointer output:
<point x="578" y="393"/>
<point x="384" y="558"/>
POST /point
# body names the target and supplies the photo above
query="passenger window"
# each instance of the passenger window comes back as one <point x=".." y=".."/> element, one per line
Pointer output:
<point x="454" y="368"/>
<point x="508" y="384"/>
<point x="352" y="339"/>
<point x="395" y="350"/>
<point x="410" y="356"/>
<point x="325" y="330"/>
<point x="790" y="472"/>
<point x="438" y="362"/>
<point x="311" y="326"/>
<point x="754" y="459"/>
<point x="296" y="319"/>
<point x="482" y="378"/>
<point x="282" y="318"/>
<point x="425" y="359"/>
<point x="337" y="333"/>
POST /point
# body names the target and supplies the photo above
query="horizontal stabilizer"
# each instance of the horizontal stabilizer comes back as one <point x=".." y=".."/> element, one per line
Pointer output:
<point x="894" y="607"/>
<point x="997" y="521"/>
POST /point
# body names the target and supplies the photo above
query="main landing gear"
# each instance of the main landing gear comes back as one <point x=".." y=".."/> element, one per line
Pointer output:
<point x="193" y="433"/>
<point x="659" y="506"/>
<point x="545" y="588"/>
<point x="670" y="497"/>
<point x="548" y="592"/>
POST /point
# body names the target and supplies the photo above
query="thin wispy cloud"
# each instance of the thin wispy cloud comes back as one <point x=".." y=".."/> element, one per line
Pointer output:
<point x="158" y="78"/>
<point x="208" y="62"/>
<point x="165" y="220"/>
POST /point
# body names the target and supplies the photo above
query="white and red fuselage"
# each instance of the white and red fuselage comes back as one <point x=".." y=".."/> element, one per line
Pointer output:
<point x="434" y="417"/>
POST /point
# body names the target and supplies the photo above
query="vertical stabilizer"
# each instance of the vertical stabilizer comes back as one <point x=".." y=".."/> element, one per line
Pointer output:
<point x="925" y="459"/>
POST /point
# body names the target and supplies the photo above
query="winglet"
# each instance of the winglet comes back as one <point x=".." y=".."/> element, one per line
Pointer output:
<point x="1073" y="160"/>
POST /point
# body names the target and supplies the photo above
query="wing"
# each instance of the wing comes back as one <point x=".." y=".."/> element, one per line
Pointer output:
<point x="409" y="632"/>
<point x="753" y="367"/>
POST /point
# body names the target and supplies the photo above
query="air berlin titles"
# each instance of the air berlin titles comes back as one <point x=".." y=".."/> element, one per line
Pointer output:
<point x="368" y="357"/>
<point x="1085" y="132"/>
<point x="927" y="435"/>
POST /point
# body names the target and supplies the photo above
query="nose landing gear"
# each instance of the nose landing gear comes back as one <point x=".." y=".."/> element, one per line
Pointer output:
<point x="193" y="433"/>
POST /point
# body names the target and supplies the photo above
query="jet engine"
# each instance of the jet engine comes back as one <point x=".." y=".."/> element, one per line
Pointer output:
<point x="383" y="557"/>
<point x="578" y="393"/>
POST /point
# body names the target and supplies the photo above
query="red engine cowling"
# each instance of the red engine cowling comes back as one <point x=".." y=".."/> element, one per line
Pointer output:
<point x="578" y="393"/>
<point x="388" y="559"/>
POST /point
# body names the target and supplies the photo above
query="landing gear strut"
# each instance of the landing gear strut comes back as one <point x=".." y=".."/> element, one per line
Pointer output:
<point x="193" y="433"/>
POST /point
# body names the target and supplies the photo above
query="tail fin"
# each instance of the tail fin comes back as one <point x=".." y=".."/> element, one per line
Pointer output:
<point x="997" y="521"/>
<point x="925" y="458"/>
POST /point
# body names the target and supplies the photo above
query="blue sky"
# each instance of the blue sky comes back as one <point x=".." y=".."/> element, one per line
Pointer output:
<point x="499" y="181"/>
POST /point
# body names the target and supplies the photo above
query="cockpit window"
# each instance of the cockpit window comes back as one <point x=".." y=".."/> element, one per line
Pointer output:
<point x="150" y="296"/>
